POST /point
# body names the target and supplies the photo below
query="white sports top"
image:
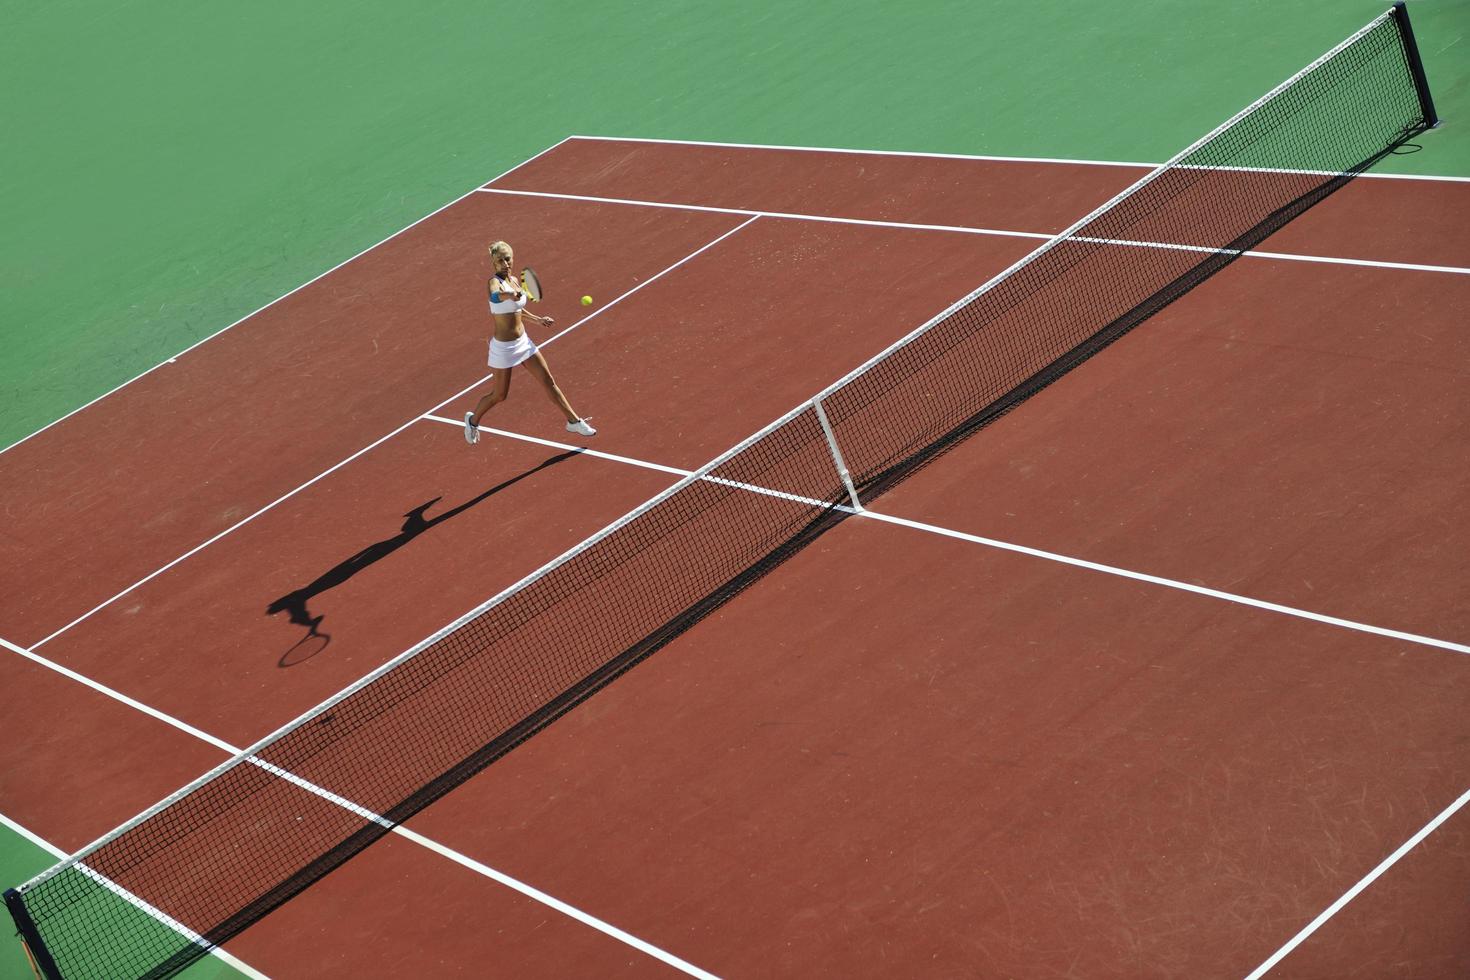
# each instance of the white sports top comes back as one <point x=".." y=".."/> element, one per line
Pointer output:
<point x="507" y="305"/>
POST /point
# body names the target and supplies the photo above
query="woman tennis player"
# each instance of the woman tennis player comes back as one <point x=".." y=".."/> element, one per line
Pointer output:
<point x="510" y="346"/>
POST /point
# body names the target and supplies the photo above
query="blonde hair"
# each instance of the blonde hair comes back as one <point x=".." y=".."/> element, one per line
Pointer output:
<point x="499" y="248"/>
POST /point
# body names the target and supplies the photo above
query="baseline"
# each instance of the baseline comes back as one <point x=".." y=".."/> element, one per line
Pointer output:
<point x="1413" y="220"/>
<point x="1383" y="866"/>
<point x="944" y="156"/>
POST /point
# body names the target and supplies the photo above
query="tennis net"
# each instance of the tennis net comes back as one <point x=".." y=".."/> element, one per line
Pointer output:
<point x="202" y="865"/>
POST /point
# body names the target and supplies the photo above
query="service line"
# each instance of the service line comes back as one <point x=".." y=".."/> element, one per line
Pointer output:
<point x="972" y="230"/>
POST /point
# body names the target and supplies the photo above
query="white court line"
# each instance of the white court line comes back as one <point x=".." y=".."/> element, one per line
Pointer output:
<point x="477" y="867"/>
<point x="35" y="839"/>
<point x="1017" y="548"/>
<point x="650" y="279"/>
<point x="789" y="215"/>
<point x="1370" y="263"/>
<point x="1366" y="880"/>
<point x="955" y="156"/>
<point x="971" y="230"/>
<point x="559" y="905"/>
<point x="1174" y="584"/>
<point x="855" y="152"/>
<point x="272" y="302"/>
<point x="566" y="446"/>
<point x="279" y="500"/>
<point x="183" y="930"/>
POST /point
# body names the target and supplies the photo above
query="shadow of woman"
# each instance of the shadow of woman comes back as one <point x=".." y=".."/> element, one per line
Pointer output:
<point x="415" y="523"/>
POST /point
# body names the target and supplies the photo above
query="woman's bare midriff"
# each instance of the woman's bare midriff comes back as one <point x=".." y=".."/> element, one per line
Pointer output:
<point x="508" y="326"/>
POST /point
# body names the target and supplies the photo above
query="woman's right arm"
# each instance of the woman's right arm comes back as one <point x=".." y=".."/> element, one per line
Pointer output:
<point x="498" y="295"/>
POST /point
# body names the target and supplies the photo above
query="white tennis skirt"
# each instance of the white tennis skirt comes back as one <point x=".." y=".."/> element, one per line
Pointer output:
<point x="509" y="353"/>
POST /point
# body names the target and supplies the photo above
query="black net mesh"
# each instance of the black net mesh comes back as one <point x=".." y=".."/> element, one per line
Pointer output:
<point x="1115" y="270"/>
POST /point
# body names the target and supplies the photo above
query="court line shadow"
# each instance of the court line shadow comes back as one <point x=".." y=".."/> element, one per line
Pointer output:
<point x="414" y="524"/>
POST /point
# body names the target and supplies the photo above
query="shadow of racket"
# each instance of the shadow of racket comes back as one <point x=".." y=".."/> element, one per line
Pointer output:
<point x="313" y="643"/>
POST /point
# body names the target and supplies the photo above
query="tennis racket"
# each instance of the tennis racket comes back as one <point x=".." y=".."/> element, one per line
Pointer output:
<point x="531" y="283"/>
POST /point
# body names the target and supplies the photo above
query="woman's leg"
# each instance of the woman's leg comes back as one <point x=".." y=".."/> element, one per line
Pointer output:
<point x="537" y="366"/>
<point x="575" y="423"/>
<point x="498" y="393"/>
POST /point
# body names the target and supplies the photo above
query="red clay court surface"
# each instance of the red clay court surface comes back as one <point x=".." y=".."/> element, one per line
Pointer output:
<point x="900" y="753"/>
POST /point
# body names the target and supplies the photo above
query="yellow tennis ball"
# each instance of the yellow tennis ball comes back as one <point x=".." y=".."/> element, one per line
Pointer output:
<point x="586" y="300"/>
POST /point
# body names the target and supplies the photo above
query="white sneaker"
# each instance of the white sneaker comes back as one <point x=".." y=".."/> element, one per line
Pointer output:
<point x="581" y="428"/>
<point x="471" y="432"/>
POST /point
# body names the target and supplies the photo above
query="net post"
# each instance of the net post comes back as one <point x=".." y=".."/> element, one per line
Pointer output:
<point x="837" y="454"/>
<point x="30" y="936"/>
<point x="1416" y="64"/>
